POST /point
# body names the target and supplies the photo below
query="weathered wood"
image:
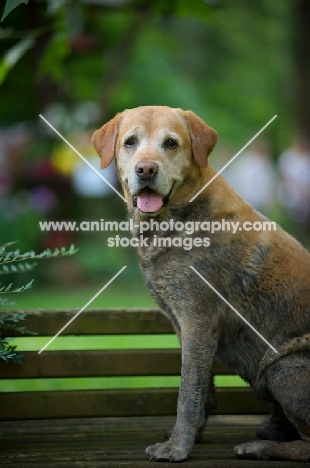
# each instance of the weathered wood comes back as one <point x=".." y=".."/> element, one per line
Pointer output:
<point x="99" y="363"/>
<point x="111" y="442"/>
<point x="96" y="322"/>
<point x="120" y="442"/>
<point x="127" y="402"/>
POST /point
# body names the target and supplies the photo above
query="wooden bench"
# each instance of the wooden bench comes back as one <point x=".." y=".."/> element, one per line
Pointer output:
<point x="111" y="427"/>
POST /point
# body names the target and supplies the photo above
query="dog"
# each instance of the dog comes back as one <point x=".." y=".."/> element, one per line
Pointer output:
<point x="162" y="163"/>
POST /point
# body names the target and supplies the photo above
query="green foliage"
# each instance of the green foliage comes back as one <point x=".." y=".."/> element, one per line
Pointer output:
<point x="9" y="257"/>
<point x="182" y="8"/>
<point x="230" y="62"/>
<point x="12" y="56"/>
<point x="11" y="321"/>
<point x="9" y="288"/>
<point x="52" y="61"/>
<point x="20" y="267"/>
<point x="218" y="58"/>
<point x="10" y="5"/>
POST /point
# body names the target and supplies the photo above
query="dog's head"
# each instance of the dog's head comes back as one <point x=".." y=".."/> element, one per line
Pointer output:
<point x="159" y="151"/>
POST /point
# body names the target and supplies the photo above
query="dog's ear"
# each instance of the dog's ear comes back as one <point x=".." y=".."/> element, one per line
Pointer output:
<point x="202" y="136"/>
<point x="104" y="141"/>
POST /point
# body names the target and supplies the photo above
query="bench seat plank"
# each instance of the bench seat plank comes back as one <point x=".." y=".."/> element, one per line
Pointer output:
<point x="99" y="363"/>
<point x="95" y="322"/>
<point x="118" y="402"/>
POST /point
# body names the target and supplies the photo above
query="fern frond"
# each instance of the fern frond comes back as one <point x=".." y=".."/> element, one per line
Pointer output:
<point x="10" y="257"/>
<point x="8" y="289"/>
<point x="6" y="319"/>
<point x="9" y="321"/>
<point x="4" y="246"/>
<point x="19" y="268"/>
<point x="8" y="353"/>
<point x="5" y="302"/>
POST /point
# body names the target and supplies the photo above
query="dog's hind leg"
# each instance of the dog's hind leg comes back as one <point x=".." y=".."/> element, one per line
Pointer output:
<point x="298" y="450"/>
<point x="277" y="427"/>
<point x="288" y="381"/>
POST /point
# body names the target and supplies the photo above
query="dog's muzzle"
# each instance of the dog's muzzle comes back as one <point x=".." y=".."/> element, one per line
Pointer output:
<point x="148" y="200"/>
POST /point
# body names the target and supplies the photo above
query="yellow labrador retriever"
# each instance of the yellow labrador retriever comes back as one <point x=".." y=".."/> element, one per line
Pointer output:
<point x="162" y="162"/>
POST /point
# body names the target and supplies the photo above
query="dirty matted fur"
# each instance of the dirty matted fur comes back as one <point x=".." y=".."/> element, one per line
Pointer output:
<point x="162" y="162"/>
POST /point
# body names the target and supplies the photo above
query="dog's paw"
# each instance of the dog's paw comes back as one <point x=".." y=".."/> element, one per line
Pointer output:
<point x="257" y="450"/>
<point x="166" y="451"/>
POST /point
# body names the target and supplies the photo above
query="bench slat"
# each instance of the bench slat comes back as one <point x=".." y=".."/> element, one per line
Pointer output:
<point x="106" y="363"/>
<point x="95" y="322"/>
<point x="52" y="364"/>
<point x="129" y="402"/>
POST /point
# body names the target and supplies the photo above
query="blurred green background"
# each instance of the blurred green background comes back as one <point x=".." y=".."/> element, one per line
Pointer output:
<point x="235" y="63"/>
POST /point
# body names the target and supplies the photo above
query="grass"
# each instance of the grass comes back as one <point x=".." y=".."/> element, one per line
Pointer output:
<point x="100" y="383"/>
<point x="118" y="294"/>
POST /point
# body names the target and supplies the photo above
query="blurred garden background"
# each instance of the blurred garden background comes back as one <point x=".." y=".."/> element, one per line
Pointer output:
<point x="235" y="63"/>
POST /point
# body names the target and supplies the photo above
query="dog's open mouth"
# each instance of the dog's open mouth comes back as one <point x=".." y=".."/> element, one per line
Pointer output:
<point x="148" y="201"/>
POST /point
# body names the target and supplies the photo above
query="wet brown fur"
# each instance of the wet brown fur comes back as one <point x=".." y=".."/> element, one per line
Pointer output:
<point x="264" y="275"/>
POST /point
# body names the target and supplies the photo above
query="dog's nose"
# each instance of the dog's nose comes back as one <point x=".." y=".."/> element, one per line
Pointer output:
<point x="146" y="170"/>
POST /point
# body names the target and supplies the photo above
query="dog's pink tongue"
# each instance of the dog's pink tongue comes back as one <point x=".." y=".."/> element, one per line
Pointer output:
<point x="148" y="201"/>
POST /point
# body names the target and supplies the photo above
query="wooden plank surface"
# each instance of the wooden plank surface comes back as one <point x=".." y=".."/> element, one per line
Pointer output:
<point x="106" y="363"/>
<point x="124" y="402"/>
<point x="120" y="442"/>
<point x="96" y="322"/>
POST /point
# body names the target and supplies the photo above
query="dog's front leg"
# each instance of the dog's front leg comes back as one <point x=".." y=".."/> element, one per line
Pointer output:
<point x="198" y="350"/>
<point x="208" y="404"/>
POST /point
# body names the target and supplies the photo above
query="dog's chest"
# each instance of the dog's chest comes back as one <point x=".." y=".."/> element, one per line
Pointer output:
<point x="163" y="273"/>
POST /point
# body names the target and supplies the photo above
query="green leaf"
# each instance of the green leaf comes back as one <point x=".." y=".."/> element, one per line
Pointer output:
<point x="10" y="6"/>
<point x="5" y="319"/>
<point x="10" y="257"/>
<point x="4" y="246"/>
<point x="19" y="268"/>
<point x="24" y="288"/>
<point x="4" y="303"/>
<point x="52" y="62"/>
<point x="6" y="289"/>
<point x="9" y="321"/>
<point x="8" y="352"/>
<point x="53" y="6"/>
<point x="5" y="32"/>
<point x="13" y="55"/>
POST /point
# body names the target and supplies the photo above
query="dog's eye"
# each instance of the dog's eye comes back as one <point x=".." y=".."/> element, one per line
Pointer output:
<point x="170" y="143"/>
<point x="130" y="142"/>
